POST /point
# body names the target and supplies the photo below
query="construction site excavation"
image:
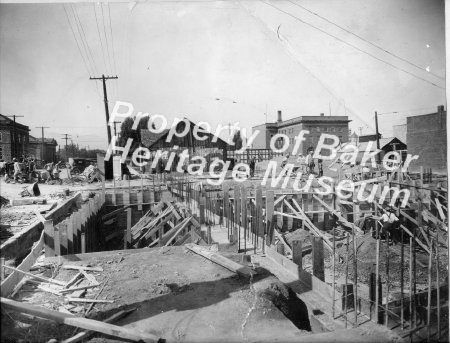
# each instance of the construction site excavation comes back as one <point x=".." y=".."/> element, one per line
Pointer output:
<point x="213" y="171"/>
<point x="169" y="257"/>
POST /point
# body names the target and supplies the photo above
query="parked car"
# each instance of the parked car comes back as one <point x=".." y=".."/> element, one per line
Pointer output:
<point x="78" y="164"/>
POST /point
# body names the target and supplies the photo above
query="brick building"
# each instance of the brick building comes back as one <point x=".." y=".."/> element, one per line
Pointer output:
<point x="316" y="125"/>
<point x="426" y="136"/>
<point x="49" y="146"/>
<point x="14" y="138"/>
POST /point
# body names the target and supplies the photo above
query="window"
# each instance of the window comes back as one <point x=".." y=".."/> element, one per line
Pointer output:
<point x="1" y="152"/>
<point x="1" y="138"/>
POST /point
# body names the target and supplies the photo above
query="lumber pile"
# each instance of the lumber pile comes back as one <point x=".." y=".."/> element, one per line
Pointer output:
<point x="72" y="291"/>
<point x="167" y="223"/>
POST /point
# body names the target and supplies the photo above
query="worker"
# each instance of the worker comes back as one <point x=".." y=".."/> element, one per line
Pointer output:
<point x="252" y="165"/>
<point x="320" y="167"/>
<point x="390" y="225"/>
<point x="17" y="170"/>
<point x="310" y="161"/>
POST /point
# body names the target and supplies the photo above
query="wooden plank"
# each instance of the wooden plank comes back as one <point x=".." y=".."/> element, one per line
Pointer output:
<point x="221" y="260"/>
<point x="78" y="288"/>
<point x="86" y="334"/>
<point x="49" y="238"/>
<point x="140" y="200"/>
<point x="86" y="300"/>
<point x="114" y="213"/>
<point x="132" y="334"/>
<point x="70" y="240"/>
<point x="270" y="216"/>
<point x="178" y="231"/>
<point x="283" y="241"/>
<point x="62" y="229"/>
<point x="85" y="268"/>
<point x="37" y="277"/>
<point x="14" y="278"/>
<point x="259" y="214"/>
<point x="128" y="233"/>
<point x="343" y="221"/>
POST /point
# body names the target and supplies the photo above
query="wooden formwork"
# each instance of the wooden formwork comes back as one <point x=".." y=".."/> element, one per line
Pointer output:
<point x="254" y="218"/>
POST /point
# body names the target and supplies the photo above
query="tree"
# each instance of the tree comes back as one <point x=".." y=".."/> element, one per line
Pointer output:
<point x="126" y="132"/>
<point x="237" y="140"/>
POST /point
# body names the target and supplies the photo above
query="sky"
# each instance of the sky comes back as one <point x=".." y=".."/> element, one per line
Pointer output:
<point x="221" y="62"/>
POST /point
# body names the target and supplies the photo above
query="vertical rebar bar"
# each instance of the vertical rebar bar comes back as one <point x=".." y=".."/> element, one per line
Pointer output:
<point x="355" y="274"/>
<point x="430" y="266"/>
<point x="438" y="291"/>
<point x="377" y="269"/>
<point x="334" y="272"/>
<point x="402" y="262"/>
<point x="414" y="279"/>
<point x="386" y="315"/>
<point x="346" y="280"/>
<point x="410" y="282"/>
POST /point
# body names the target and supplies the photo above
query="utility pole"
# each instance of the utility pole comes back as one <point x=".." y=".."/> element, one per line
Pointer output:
<point x="377" y="135"/>
<point x="104" y="78"/>
<point x="13" y="145"/>
<point x="43" y="143"/>
<point x="65" y="148"/>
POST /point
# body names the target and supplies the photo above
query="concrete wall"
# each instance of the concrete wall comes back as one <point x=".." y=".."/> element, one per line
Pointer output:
<point x="427" y="137"/>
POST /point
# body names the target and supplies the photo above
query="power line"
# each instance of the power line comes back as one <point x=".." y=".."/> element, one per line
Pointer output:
<point x="106" y="38"/>
<point x="112" y="37"/>
<point x="290" y="52"/>
<point x="76" y="41"/>
<point x="411" y="110"/>
<point x="365" y="40"/>
<point x="352" y="45"/>
<point x="115" y="85"/>
<point x="100" y="38"/>
<point x="83" y="36"/>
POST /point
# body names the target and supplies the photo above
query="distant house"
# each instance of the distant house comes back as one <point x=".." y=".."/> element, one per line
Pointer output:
<point x="13" y="138"/>
<point x="211" y="148"/>
<point x="43" y="151"/>
<point x="386" y="145"/>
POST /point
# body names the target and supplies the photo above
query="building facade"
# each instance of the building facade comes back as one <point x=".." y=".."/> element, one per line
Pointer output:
<point x="14" y="139"/>
<point x="316" y="125"/>
<point x="426" y="136"/>
<point x="43" y="151"/>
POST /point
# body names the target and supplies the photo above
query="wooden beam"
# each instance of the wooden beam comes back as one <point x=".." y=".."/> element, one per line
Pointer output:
<point x="88" y="324"/>
<point x="85" y="334"/>
<point x="37" y="277"/>
<point x="282" y="240"/>
<point x="343" y="221"/>
<point x="221" y="260"/>
<point x="310" y="225"/>
<point x="90" y="269"/>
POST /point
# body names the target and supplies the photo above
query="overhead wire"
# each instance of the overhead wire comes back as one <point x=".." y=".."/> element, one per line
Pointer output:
<point x="115" y="84"/>
<point x="100" y="39"/>
<point x="366" y="40"/>
<point x="352" y="45"/>
<point x="76" y="41"/>
<point x="106" y="39"/>
<point x="83" y="36"/>
<point x="289" y="51"/>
